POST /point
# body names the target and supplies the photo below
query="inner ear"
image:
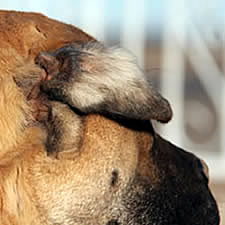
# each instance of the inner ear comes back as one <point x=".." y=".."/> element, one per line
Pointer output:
<point x="48" y="62"/>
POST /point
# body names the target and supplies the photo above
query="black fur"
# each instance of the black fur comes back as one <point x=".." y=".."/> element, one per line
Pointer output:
<point x="114" y="177"/>
<point x="181" y="198"/>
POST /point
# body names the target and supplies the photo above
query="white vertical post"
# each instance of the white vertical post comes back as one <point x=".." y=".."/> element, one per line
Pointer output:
<point x="133" y="28"/>
<point x="92" y="18"/>
<point x="222" y="103"/>
<point x="173" y="76"/>
<point x="211" y="77"/>
<point x="205" y="66"/>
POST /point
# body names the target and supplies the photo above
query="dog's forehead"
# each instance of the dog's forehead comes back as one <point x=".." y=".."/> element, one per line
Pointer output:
<point x="24" y="35"/>
<point x="117" y="143"/>
<point x="127" y="150"/>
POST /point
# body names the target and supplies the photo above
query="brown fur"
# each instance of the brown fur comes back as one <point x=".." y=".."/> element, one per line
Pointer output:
<point x="94" y="79"/>
<point x="154" y="183"/>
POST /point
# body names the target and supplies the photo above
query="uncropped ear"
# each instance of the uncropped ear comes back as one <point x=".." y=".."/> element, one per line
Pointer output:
<point x="102" y="80"/>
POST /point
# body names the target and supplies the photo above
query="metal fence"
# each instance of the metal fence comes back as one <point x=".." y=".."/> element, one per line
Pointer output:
<point x="184" y="52"/>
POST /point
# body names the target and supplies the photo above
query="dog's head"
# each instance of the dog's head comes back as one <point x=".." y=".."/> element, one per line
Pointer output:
<point x="160" y="183"/>
<point x="124" y="172"/>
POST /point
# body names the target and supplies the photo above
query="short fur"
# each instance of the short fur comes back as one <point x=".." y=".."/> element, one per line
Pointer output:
<point x="94" y="79"/>
<point x="122" y="173"/>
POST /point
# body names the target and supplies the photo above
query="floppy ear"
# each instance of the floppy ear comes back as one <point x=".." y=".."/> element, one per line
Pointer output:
<point x="162" y="111"/>
<point x="148" y="104"/>
<point x="95" y="79"/>
<point x="133" y="95"/>
<point x="138" y="100"/>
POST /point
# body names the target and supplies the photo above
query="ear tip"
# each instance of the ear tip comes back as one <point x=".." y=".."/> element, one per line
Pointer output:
<point x="166" y="113"/>
<point x="166" y="117"/>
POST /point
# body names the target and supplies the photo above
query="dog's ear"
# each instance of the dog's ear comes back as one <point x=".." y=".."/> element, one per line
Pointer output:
<point x="146" y="103"/>
<point x="125" y="89"/>
<point x="162" y="111"/>
<point x="139" y="100"/>
<point x="95" y="79"/>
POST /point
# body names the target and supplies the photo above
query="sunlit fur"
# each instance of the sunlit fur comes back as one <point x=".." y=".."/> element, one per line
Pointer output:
<point x="156" y="183"/>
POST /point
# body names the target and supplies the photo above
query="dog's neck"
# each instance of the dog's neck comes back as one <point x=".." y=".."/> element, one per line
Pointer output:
<point x="15" y="200"/>
<point x="12" y="116"/>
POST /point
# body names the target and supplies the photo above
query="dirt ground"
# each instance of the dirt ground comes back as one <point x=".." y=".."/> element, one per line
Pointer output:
<point x="219" y="193"/>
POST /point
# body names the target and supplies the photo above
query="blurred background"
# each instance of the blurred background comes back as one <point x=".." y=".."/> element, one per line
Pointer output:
<point x="181" y="46"/>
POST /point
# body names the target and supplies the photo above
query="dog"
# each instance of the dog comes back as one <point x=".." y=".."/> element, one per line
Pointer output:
<point x="66" y="95"/>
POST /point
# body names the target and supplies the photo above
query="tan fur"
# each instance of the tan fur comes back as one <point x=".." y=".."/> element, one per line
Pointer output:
<point x="31" y="191"/>
<point x="65" y="132"/>
<point x="42" y="190"/>
<point x="21" y="38"/>
<point x="33" y="180"/>
<point x="94" y="79"/>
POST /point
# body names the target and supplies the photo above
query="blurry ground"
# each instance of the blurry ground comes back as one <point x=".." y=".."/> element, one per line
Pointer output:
<point x="219" y="193"/>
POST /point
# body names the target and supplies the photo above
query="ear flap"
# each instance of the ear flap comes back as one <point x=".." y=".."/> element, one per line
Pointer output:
<point x="159" y="108"/>
<point x="130" y="93"/>
<point x="103" y="80"/>
<point x="141" y="103"/>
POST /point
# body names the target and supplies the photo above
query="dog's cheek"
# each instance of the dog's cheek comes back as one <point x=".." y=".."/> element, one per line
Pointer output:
<point x="168" y="203"/>
<point x="146" y="205"/>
